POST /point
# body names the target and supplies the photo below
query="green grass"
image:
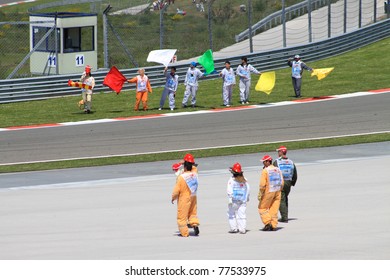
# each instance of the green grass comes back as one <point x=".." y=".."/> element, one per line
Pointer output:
<point x="360" y="70"/>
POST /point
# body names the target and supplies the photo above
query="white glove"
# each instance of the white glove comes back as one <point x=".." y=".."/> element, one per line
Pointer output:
<point x="230" y="201"/>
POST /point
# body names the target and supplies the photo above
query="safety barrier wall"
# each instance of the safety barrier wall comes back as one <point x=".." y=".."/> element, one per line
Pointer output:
<point x="29" y="89"/>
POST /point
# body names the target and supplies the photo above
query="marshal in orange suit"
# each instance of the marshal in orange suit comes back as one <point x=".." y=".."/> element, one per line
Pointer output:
<point x="143" y="87"/>
<point x="271" y="184"/>
<point x="185" y="194"/>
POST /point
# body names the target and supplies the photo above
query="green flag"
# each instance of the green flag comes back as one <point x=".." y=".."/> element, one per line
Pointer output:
<point x="207" y="61"/>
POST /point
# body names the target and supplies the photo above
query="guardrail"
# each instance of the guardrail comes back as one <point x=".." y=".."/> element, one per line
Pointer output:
<point x="28" y="89"/>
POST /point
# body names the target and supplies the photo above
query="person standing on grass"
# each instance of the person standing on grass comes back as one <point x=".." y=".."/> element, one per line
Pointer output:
<point x="191" y="84"/>
<point x="229" y="80"/>
<point x="172" y="80"/>
<point x="86" y="78"/>
<point x="297" y="67"/>
<point x="142" y="88"/>
<point x="244" y="71"/>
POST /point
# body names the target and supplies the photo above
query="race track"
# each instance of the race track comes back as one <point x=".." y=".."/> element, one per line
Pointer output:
<point x="343" y="116"/>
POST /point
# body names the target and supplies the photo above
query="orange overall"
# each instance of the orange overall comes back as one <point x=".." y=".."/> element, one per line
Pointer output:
<point x="186" y="203"/>
<point x="269" y="197"/>
<point x="143" y="87"/>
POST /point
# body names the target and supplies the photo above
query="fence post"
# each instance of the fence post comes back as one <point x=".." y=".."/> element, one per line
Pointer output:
<point x="284" y="23"/>
<point x="209" y="18"/>
<point x="329" y="19"/>
<point x="375" y="11"/>
<point x="105" y="36"/>
<point x="56" y="42"/>
<point x="345" y="16"/>
<point x="387" y="10"/>
<point x="250" y="25"/>
<point x="360" y="13"/>
<point x="309" y="20"/>
<point x="162" y="26"/>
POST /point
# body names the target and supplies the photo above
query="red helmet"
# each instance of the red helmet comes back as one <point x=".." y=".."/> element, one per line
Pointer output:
<point x="189" y="158"/>
<point x="266" y="158"/>
<point x="236" y="168"/>
<point x="283" y="149"/>
<point x="176" y="166"/>
<point x="88" y="69"/>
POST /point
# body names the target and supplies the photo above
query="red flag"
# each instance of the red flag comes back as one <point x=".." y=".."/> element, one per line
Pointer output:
<point x="114" y="80"/>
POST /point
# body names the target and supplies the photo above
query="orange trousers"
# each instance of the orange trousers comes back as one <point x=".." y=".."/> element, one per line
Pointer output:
<point x="187" y="214"/>
<point x="141" y="96"/>
<point x="269" y="207"/>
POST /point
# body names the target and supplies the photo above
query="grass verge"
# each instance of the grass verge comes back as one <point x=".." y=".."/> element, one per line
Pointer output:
<point x="293" y="145"/>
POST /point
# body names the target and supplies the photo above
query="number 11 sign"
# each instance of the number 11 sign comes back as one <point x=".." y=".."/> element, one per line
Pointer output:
<point x="80" y="60"/>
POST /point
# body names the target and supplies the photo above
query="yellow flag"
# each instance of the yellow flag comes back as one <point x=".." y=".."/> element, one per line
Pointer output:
<point x="266" y="82"/>
<point x="321" y="73"/>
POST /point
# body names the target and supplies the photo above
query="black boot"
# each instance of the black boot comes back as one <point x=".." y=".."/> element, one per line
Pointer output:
<point x="196" y="230"/>
<point x="267" y="227"/>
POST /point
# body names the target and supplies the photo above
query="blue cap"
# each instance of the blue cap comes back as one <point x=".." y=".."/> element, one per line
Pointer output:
<point x="193" y="63"/>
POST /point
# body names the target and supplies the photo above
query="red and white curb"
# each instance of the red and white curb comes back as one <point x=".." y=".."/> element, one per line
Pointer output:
<point x="229" y="109"/>
<point x="16" y="3"/>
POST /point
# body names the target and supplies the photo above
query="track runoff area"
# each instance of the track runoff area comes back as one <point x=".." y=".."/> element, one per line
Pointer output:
<point x="193" y="267"/>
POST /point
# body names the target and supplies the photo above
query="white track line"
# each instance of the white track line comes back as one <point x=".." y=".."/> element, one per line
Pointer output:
<point x="16" y="3"/>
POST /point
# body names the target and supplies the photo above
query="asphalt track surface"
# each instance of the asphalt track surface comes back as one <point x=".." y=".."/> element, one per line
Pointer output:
<point x="328" y="118"/>
<point x="338" y="211"/>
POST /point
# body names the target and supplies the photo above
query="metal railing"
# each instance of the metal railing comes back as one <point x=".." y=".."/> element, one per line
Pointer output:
<point x="29" y="89"/>
<point x="275" y="19"/>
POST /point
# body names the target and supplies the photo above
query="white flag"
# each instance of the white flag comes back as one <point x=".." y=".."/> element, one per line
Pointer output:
<point x="161" y="56"/>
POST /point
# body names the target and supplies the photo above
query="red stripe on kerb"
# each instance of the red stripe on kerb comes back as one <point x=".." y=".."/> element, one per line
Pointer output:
<point x="33" y="126"/>
<point x="231" y="108"/>
<point x="138" y="117"/>
<point x="380" y="90"/>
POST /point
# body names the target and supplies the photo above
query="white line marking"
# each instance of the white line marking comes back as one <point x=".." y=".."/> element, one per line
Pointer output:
<point x="88" y="122"/>
<point x="16" y="3"/>
<point x="93" y="183"/>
